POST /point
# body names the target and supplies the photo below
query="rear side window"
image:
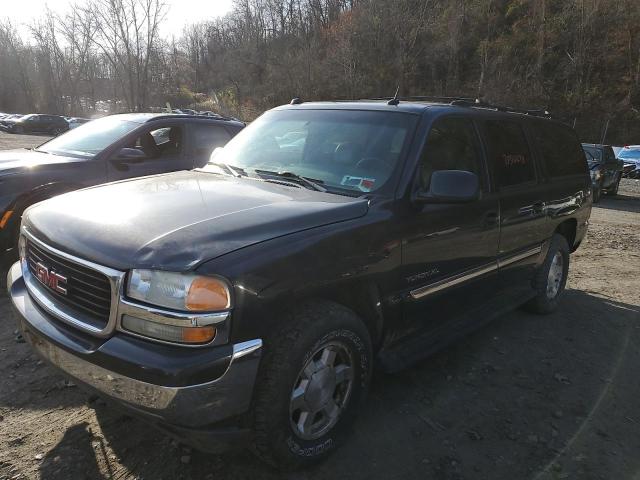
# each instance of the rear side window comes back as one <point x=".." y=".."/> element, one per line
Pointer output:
<point x="560" y="151"/>
<point x="509" y="153"/>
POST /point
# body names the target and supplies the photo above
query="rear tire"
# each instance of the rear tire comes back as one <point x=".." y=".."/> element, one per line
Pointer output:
<point x="551" y="278"/>
<point x="313" y="379"/>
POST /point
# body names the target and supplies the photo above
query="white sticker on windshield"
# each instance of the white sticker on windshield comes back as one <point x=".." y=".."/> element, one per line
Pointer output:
<point x="362" y="183"/>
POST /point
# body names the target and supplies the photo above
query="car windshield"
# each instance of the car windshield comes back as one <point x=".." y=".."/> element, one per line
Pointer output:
<point x="345" y="151"/>
<point x="629" y="154"/>
<point x="593" y="154"/>
<point x="89" y="139"/>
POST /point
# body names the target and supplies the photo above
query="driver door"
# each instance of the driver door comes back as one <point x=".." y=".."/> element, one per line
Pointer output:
<point x="449" y="249"/>
<point x="157" y="149"/>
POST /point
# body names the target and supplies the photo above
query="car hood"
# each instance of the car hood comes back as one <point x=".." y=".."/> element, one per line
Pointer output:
<point x="177" y="221"/>
<point x="13" y="160"/>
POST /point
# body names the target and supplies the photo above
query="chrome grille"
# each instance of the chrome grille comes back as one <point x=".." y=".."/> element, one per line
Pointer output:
<point x="88" y="291"/>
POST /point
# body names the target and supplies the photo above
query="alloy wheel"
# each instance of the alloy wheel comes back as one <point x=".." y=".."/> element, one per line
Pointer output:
<point x="321" y="391"/>
<point x="554" y="277"/>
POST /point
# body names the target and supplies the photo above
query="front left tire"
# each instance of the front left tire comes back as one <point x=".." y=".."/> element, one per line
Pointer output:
<point x="314" y="377"/>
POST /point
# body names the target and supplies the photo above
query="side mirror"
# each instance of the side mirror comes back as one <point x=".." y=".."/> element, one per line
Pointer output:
<point x="130" y="155"/>
<point x="451" y="186"/>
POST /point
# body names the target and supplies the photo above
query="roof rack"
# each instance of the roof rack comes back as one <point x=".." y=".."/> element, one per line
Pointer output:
<point x="425" y="98"/>
<point x="471" y="103"/>
<point x="500" y="108"/>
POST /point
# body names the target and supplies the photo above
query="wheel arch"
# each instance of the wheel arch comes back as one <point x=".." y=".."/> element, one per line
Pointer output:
<point x="568" y="229"/>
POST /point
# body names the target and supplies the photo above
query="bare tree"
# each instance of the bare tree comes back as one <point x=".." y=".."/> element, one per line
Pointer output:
<point x="127" y="31"/>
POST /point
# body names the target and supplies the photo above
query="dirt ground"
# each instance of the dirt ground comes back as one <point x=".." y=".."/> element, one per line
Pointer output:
<point x="530" y="397"/>
<point x="8" y="140"/>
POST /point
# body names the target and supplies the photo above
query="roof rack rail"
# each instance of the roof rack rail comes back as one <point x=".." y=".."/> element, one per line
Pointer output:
<point x="428" y="98"/>
<point x="500" y="108"/>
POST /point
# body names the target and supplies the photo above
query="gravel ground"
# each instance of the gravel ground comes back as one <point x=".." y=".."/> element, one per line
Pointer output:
<point x="526" y="397"/>
<point x="9" y="140"/>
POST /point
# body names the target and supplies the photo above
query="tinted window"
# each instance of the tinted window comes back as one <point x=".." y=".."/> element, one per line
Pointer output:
<point x="509" y="153"/>
<point x="609" y="156"/>
<point x="593" y="153"/>
<point x="560" y="151"/>
<point x="205" y="139"/>
<point x="452" y="145"/>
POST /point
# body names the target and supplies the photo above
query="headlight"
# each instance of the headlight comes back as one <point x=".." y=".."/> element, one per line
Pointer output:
<point x="179" y="291"/>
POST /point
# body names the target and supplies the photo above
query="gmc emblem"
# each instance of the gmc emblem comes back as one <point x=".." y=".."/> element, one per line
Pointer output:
<point x="51" y="279"/>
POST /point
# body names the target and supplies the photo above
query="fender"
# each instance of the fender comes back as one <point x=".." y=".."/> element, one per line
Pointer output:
<point x="271" y="276"/>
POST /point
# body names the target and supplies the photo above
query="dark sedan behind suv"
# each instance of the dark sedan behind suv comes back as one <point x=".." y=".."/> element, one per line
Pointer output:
<point x="36" y="123"/>
<point x="249" y="301"/>
<point x="111" y="148"/>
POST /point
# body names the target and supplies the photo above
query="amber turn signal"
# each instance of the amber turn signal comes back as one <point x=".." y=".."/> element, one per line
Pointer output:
<point x="5" y="218"/>
<point x="198" y="334"/>
<point x="207" y="294"/>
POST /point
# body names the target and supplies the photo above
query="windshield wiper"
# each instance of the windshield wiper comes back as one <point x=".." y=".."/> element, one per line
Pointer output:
<point x="235" y="171"/>
<point x="307" y="182"/>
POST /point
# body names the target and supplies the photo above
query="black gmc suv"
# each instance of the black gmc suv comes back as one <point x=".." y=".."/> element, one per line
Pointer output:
<point x="249" y="300"/>
<point x="111" y="148"/>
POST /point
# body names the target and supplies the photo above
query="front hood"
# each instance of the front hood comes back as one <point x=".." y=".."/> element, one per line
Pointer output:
<point x="14" y="160"/>
<point x="176" y="221"/>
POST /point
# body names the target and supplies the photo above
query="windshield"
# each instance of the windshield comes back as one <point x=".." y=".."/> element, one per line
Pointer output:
<point x="628" y="153"/>
<point x="593" y="154"/>
<point x="343" y="150"/>
<point x="89" y="139"/>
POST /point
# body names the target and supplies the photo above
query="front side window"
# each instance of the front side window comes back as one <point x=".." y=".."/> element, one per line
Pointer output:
<point x="343" y="150"/>
<point x="452" y="144"/>
<point x="509" y="153"/>
<point x="88" y="140"/>
<point x="165" y="142"/>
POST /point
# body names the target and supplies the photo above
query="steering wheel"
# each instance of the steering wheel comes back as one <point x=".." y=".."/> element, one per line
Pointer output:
<point x="372" y="163"/>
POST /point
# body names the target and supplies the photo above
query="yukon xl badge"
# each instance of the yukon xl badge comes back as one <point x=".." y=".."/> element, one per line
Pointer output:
<point x="51" y="279"/>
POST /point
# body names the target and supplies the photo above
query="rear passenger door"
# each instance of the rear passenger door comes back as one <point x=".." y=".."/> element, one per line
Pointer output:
<point x="204" y="138"/>
<point x="523" y="227"/>
<point x="565" y="167"/>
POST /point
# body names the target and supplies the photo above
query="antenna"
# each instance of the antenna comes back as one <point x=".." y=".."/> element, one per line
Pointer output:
<point x="395" y="100"/>
<point x="295" y="101"/>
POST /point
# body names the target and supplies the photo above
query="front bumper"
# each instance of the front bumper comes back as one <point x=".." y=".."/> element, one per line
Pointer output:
<point x="129" y="371"/>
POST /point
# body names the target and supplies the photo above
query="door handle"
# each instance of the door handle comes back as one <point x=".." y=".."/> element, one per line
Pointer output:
<point x="535" y="209"/>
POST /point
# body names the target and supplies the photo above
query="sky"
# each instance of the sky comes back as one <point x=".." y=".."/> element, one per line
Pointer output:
<point x="181" y="12"/>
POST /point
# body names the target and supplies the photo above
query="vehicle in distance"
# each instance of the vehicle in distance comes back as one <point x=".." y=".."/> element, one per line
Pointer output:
<point x="75" y="122"/>
<point x="112" y="148"/>
<point x="36" y="123"/>
<point x="605" y="168"/>
<point x="630" y="156"/>
<point x="248" y="301"/>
